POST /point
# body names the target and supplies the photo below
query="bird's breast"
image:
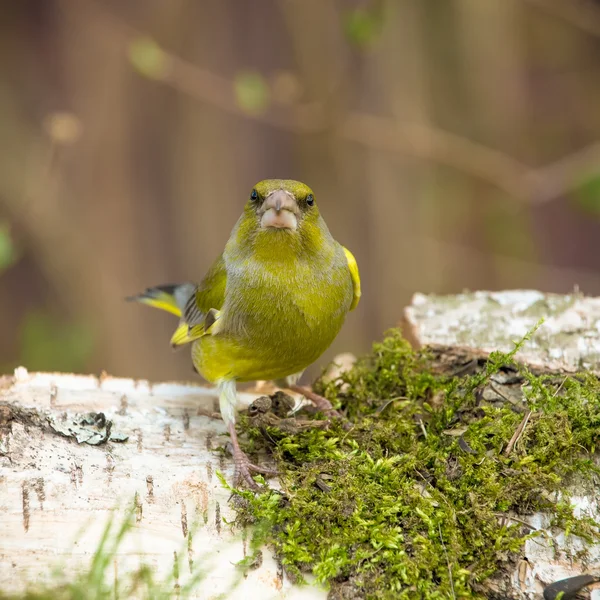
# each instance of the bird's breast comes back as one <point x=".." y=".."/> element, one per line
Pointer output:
<point x="297" y="308"/>
<point x="276" y="319"/>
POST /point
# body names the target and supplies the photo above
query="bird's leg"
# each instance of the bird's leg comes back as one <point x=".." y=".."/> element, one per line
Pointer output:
<point x="243" y="466"/>
<point x="321" y="403"/>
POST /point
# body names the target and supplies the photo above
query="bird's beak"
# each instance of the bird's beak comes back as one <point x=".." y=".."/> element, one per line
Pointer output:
<point x="279" y="210"/>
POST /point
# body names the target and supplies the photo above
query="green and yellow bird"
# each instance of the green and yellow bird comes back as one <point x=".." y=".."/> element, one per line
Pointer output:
<point x="270" y="305"/>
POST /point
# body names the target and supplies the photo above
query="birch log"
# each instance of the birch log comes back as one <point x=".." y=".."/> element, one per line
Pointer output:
<point x="64" y="468"/>
<point x="567" y="341"/>
<point x="56" y="494"/>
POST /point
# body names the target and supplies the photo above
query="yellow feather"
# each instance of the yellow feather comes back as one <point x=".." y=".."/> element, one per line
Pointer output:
<point x="184" y="334"/>
<point x="355" y="277"/>
<point x="160" y="300"/>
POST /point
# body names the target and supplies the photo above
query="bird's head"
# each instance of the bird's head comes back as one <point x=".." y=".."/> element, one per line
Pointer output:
<point x="282" y="204"/>
<point x="280" y="219"/>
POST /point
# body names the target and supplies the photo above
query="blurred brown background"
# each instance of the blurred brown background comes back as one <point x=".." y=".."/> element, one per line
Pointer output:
<point x="451" y="144"/>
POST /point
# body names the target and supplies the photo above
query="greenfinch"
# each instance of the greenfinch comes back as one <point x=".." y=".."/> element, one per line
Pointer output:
<point x="270" y="305"/>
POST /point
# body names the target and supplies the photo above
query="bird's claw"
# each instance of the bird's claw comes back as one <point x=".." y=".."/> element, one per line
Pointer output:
<point x="244" y="469"/>
<point x="320" y="402"/>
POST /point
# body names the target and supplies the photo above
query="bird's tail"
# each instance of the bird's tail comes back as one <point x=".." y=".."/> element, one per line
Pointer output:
<point x="170" y="297"/>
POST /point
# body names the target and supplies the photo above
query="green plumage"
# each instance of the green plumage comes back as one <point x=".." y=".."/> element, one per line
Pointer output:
<point x="275" y="299"/>
<point x="287" y="294"/>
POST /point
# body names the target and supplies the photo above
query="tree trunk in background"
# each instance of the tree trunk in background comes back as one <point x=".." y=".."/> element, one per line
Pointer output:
<point x="150" y="187"/>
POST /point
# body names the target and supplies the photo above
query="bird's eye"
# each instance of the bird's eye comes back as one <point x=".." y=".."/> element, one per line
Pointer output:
<point x="254" y="196"/>
<point x="310" y="199"/>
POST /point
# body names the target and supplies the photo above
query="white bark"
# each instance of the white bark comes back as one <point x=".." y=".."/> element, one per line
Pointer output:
<point x="568" y="340"/>
<point x="56" y="494"/>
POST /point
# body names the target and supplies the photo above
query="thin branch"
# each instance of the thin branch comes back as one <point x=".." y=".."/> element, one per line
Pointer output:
<point x="529" y="184"/>
<point x="564" y="175"/>
<point x="380" y="133"/>
<point x="440" y="146"/>
<point x="560" y="387"/>
<point x="583" y="16"/>
<point x="447" y="562"/>
<point x="517" y="520"/>
<point x="499" y="393"/>
<point x="517" y="434"/>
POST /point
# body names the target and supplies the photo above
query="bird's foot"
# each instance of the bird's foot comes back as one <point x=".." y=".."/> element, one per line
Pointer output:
<point x="319" y="401"/>
<point x="244" y="469"/>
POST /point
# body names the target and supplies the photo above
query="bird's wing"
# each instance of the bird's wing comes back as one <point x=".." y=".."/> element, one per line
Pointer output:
<point x="170" y="297"/>
<point x="355" y="277"/>
<point x="197" y="306"/>
<point x="200" y="314"/>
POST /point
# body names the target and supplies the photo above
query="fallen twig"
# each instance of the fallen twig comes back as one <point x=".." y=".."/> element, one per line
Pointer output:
<point x="447" y="562"/>
<point x="517" y="434"/>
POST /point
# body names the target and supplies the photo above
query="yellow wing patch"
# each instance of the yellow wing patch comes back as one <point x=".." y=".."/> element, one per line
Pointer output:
<point x="185" y="334"/>
<point x="355" y="277"/>
<point x="160" y="299"/>
<point x="189" y="303"/>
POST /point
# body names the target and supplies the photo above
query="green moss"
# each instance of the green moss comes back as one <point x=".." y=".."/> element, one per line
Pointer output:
<point x="409" y="501"/>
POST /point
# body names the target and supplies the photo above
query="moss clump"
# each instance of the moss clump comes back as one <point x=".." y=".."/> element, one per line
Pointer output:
<point x="415" y="498"/>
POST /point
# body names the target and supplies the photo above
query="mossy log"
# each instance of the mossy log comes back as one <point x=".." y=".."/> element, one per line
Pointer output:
<point x="72" y="448"/>
<point x="466" y="328"/>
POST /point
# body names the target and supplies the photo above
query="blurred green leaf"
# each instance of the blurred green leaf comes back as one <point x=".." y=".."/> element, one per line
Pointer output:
<point x="587" y="197"/>
<point x="50" y="345"/>
<point x="362" y="26"/>
<point x="251" y="91"/>
<point x="147" y="57"/>
<point x="8" y="252"/>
